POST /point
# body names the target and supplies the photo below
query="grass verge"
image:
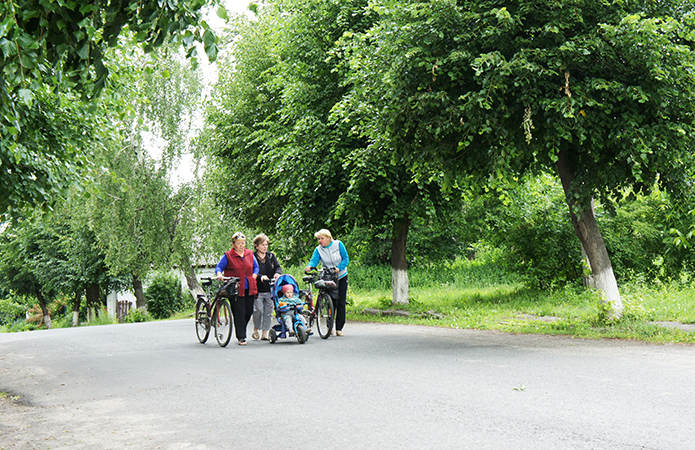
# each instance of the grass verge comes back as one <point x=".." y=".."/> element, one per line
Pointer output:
<point x="513" y="308"/>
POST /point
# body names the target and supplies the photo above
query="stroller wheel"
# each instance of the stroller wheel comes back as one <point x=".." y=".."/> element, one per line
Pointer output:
<point x="272" y="336"/>
<point x="302" y="335"/>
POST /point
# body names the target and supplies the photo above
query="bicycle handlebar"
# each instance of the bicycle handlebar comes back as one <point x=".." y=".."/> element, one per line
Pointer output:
<point x="207" y="281"/>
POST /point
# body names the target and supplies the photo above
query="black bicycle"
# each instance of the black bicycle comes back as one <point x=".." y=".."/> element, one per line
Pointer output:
<point x="322" y="312"/>
<point x="216" y="312"/>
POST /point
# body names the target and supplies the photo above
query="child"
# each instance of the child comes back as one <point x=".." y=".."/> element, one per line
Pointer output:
<point x="288" y="299"/>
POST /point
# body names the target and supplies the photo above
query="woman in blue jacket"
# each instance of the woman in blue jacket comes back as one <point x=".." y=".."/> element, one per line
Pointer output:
<point x="332" y="253"/>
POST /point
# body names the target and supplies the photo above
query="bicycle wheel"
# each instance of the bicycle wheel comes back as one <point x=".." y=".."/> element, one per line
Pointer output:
<point x="223" y="322"/>
<point x="324" y="315"/>
<point x="202" y="320"/>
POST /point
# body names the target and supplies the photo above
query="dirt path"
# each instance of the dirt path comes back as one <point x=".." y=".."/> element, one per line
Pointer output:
<point x="22" y="426"/>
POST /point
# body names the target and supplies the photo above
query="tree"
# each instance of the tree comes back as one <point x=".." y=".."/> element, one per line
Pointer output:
<point x="274" y="152"/>
<point x="74" y="262"/>
<point x="21" y="263"/>
<point x="139" y="219"/>
<point x="384" y="195"/>
<point x="131" y="216"/>
<point x="284" y="122"/>
<point x="50" y="48"/>
<point x="600" y="94"/>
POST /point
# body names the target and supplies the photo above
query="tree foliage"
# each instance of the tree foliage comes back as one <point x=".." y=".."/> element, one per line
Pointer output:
<point x="492" y="88"/>
<point x="52" y="48"/>
<point x="277" y="155"/>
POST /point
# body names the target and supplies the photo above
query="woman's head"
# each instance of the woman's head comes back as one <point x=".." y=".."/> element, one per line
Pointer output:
<point x="261" y="242"/>
<point x="238" y="240"/>
<point x="324" y="237"/>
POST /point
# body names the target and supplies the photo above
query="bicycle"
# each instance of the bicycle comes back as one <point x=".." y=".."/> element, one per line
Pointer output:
<point x="216" y="312"/>
<point x="322" y="313"/>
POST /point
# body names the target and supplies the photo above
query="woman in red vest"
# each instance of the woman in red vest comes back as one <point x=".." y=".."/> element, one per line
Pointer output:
<point x="239" y="262"/>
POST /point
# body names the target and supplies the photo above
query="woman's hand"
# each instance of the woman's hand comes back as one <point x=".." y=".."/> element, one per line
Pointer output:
<point x="220" y="277"/>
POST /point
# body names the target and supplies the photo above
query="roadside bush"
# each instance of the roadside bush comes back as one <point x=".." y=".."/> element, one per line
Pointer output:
<point x="20" y="325"/>
<point x="136" y="315"/>
<point x="164" y="296"/>
<point x="634" y="236"/>
<point x="532" y="224"/>
<point x="10" y="311"/>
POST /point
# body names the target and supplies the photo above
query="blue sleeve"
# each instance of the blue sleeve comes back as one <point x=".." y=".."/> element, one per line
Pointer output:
<point x="344" y="256"/>
<point x="221" y="265"/>
<point x="315" y="258"/>
<point x="255" y="265"/>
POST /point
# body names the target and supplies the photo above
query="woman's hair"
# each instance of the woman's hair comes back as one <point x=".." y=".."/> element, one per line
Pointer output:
<point x="261" y="238"/>
<point x="238" y="235"/>
<point x="323" y="232"/>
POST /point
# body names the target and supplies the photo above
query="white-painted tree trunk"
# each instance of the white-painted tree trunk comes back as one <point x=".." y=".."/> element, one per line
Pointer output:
<point x="586" y="229"/>
<point x="400" y="286"/>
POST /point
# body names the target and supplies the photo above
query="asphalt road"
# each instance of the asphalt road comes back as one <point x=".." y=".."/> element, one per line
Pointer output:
<point x="153" y="386"/>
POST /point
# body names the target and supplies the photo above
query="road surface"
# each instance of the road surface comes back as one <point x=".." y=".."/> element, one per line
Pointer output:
<point x="153" y="386"/>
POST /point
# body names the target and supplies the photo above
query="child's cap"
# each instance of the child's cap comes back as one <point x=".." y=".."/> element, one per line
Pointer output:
<point x="287" y="287"/>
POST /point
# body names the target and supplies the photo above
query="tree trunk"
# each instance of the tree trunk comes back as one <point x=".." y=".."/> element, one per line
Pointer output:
<point x="92" y="295"/>
<point x="191" y="278"/>
<point x="139" y="293"/>
<point x="586" y="270"/>
<point x="76" y="309"/>
<point x="586" y="228"/>
<point x="44" y="309"/>
<point x="399" y="262"/>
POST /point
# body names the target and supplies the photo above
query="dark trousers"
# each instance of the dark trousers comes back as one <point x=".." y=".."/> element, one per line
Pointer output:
<point x="340" y="303"/>
<point x="242" y="310"/>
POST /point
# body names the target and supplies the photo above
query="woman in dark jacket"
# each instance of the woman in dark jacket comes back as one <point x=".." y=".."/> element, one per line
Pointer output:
<point x="268" y="267"/>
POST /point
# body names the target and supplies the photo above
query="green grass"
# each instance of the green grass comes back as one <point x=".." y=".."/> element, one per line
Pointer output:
<point x="491" y="303"/>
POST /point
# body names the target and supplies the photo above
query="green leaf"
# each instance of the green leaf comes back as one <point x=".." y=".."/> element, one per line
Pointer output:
<point x="26" y="96"/>
<point x="84" y="51"/>
<point x="5" y="25"/>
